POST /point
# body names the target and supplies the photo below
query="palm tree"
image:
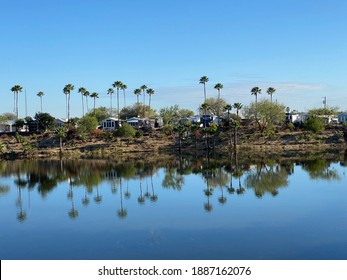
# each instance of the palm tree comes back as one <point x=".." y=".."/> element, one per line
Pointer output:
<point x="94" y="95"/>
<point x="110" y="91"/>
<point x="203" y="80"/>
<point x="150" y="92"/>
<point x="16" y="89"/>
<point x="143" y="88"/>
<point x="218" y="87"/>
<point x="117" y="85"/>
<point x="67" y="91"/>
<point x="137" y="92"/>
<point x="270" y="91"/>
<point x="238" y="106"/>
<point x="124" y="87"/>
<point x="40" y="94"/>
<point x="82" y="90"/>
<point x="255" y="91"/>
<point x="228" y="108"/>
<point x="86" y="94"/>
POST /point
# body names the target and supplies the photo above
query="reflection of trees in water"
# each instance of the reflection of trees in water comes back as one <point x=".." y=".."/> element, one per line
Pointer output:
<point x="266" y="179"/>
<point x="320" y="169"/>
<point x="223" y="176"/>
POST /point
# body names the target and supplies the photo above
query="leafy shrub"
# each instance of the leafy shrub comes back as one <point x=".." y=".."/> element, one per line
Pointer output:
<point x="314" y="124"/>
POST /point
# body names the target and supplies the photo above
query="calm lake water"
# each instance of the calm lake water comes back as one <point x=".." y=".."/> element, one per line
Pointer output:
<point x="203" y="208"/>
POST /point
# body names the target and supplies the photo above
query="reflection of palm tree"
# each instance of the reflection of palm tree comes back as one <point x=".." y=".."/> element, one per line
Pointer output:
<point x="73" y="213"/>
<point x="98" y="197"/>
<point x="141" y="198"/>
<point x="85" y="199"/>
<point x="208" y="192"/>
<point x="154" y="197"/>
<point x="127" y="193"/>
<point x="122" y="213"/>
<point x="222" y="199"/>
<point x="21" y="215"/>
<point x="147" y="194"/>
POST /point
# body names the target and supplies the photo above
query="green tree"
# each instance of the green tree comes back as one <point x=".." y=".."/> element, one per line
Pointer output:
<point x="172" y="114"/>
<point x="110" y="91"/>
<point x="238" y="106"/>
<point x="256" y="91"/>
<point x="218" y="87"/>
<point x="117" y="85"/>
<point x="100" y="113"/>
<point x="126" y="131"/>
<point x="16" y="89"/>
<point x="265" y="113"/>
<point x="215" y="106"/>
<point x="19" y="124"/>
<point x="86" y="94"/>
<point x="40" y="94"/>
<point x="143" y="88"/>
<point x="137" y="92"/>
<point x="137" y="110"/>
<point x="270" y="91"/>
<point x="82" y="90"/>
<point x="67" y="91"/>
<point x="61" y="133"/>
<point x="94" y="95"/>
<point x="329" y="111"/>
<point x="123" y="88"/>
<point x="314" y="123"/>
<point x="45" y="121"/>
<point x="150" y="92"/>
<point x="203" y="80"/>
<point x="87" y="124"/>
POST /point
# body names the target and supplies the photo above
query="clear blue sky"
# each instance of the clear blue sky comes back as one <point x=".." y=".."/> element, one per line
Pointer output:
<point x="297" y="46"/>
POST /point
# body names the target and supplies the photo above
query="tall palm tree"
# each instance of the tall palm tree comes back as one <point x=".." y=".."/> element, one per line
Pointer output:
<point x="82" y="90"/>
<point x="94" y="95"/>
<point x="40" y="94"/>
<point x="124" y="87"/>
<point x="16" y="89"/>
<point x="67" y="91"/>
<point x="218" y="87"/>
<point x="203" y="80"/>
<point x="255" y="91"/>
<point x="270" y="91"/>
<point x="86" y="94"/>
<point x="143" y="88"/>
<point x="117" y="85"/>
<point x="137" y="92"/>
<point x="110" y="91"/>
<point x="150" y="92"/>
<point x="238" y="106"/>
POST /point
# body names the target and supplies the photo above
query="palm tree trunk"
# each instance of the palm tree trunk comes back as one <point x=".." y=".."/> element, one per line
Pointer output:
<point x="124" y="98"/>
<point x="149" y="102"/>
<point x="82" y="105"/>
<point x="94" y="104"/>
<point x="17" y="104"/>
<point x="118" y="103"/>
<point x="110" y="103"/>
<point x="68" y="107"/>
<point x="87" y="104"/>
<point x="41" y="103"/>
<point x="205" y="92"/>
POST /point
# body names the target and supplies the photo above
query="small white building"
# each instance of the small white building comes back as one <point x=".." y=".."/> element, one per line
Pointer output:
<point x="110" y="124"/>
